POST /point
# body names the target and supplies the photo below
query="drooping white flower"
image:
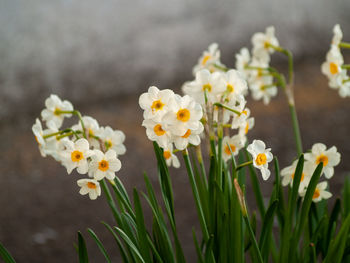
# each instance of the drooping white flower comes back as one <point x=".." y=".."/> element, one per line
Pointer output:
<point x="112" y="139"/>
<point x="337" y="35"/>
<point x="104" y="164"/>
<point x="155" y="103"/>
<point x="263" y="89"/>
<point x="156" y="131"/>
<point x="213" y="84"/>
<point x="45" y="145"/>
<point x="170" y="158"/>
<point x="288" y="175"/>
<point x="329" y="158"/>
<point x="332" y="66"/>
<point x="89" y="186"/>
<point x="232" y="144"/>
<point x="208" y="59"/>
<point x="320" y="192"/>
<point x="261" y="157"/>
<point x="242" y="61"/>
<point x="54" y="105"/>
<point x="184" y="114"/>
<point x="261" y="42"/>
<point x="190" y="137"/>
<point x="75" y="155"/>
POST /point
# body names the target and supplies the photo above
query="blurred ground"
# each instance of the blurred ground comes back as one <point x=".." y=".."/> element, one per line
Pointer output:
<point x="41" y="209"/>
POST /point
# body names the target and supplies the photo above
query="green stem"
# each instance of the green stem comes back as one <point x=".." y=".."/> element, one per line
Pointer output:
<point x="346" y="80"/>
<point x="344" y="45"/>
<point x="52" y="134"/>
<point x="264" y="87"/>
<point x="109" y="199"/>
<point x="77" y="113"/>
<point x="196" y="195"/>
<point x="243" y="165"/>
<point x="221" y="67"/>
<point x="227" y="108"/>
<point x="253" y="239"/>
<point x="296" y="129"/>
<point x="345" y="66"/>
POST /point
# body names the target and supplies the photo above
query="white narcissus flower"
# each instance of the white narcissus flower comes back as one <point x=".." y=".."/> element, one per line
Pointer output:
<point x="332" y="66"/>
<point x="104" y="164"/>
<point x="185" y="113"/>
<point x="261" y="157"/>
<point x="190" y="137"/>
<point x="112" y="139"/>
<point x="242" y="61"/>
<point x="263" y="89"/>
<point x="208" y="59"/>
<point x="261" y="42"/>
<point x="232" y="144"/>
<point x="54" y="105"/>
<point x="213" y="84"/>
<point x="155" y="103"/>
<point x="248" y="125"/>
<point x="288" y="175"/>
<point x="75" y="155"/>
<point x="320" y="192"/>
<point x="330" y="158"/>
<point x="157" y="132"/>
<point x="236" y="85"/>
<point x="89" y="186"/>
<point x="91" y="129"/>
<point x="45" y="145"/>
<point x="170" y="158"/>
<point x="337" y="35"/>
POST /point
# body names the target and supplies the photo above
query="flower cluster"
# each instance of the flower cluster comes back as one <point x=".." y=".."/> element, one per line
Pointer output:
<point x="254" y="66"/>
<point x="319" y="153"/>
<point x="86" y="146"/>
<point x="171" y="119"/>
<point x="209" y="60"/>
<point x="334" y="67"/>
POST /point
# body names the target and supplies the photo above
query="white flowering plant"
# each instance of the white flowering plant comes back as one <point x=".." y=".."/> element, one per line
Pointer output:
<point x="292" y="226"/>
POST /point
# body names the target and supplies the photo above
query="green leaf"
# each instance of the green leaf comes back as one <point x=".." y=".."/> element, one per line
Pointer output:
<point x="99" y="244"/>
<point x="332" y="222"/>
<point x="198" y="250"/>
<point x="337" y="246"/>
<point x="82" y="251"/>
<point x="346" y="197"/>
<point x="6" y="256"/>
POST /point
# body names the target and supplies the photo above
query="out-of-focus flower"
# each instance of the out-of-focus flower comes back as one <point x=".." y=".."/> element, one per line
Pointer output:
<point x="232" y="144"/>
<point x="288" y="175"/>
<point x="332" y="66"/>
<point x="236" y="86"/>
<point x="54" y="107"/>
<point x="155" y="103"/>
<point x="261" y="157"/>
<point x="209" y="59"/>
<point x="89" y="186"/>
<point x="91" y="129"/>
<point x="104" y="164"/>
<point x="329" y="158"/>
<point x="263" y="89"/>
<point x="320" y="192"/>
<point x="262" y="41"/>
<point x="170" y="158"/>
<point x="242" y="61"/>
<point x="75" y="155"/>
<point x="112" y="139"/>
<point x="337" y="35"/>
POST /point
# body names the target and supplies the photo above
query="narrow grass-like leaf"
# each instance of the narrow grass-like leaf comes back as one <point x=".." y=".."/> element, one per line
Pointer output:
<point x="266" y="230"/>
<point x="332" y="221"/>
<point x="82" y="251"/>
<point x="198" y="250"/>
<point x="5" y="255"/>
<point x="346" y="197"/>
<point x="99" y="244"/>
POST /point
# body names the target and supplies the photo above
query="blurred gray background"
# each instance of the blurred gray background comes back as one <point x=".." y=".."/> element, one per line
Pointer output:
<point x="101" y="55"/>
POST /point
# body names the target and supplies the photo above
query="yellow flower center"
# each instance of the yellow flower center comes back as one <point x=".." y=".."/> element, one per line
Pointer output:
<point x="207" y="87"/>
<point x="167" y="155"/>
<point x="333" y="68"/>
<point x="183" y="115"/>
<point x="266" y="45"/>
<point x="187" y="134"/>
<point x="322" y="158"/>
<point x="36" y="138"/>
<point x="91" y="185"/>
<point x="261" y="159"/>
<point x="302" y="177"/>
<point x="76" y="156"/>
<point x="57" y="111"/>
<point x="158" y="130"/>
<point x="260" y="73"/>
<point x="103" y="165"/>
<point x="205" y="59"/>
<point x="246" y="128"/>
<point x="108" y="144"/>
<point x="230" y="88"/>
<point x="316" y="194"/>
<point x="228" y="151"/>
<point x="157" y="105"/>
<point x="91" y="132"/>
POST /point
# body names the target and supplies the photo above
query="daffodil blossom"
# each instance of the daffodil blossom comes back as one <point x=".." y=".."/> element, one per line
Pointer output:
<point x="232" y="144"/>
<point x="191" y="136"/>
<point x="261" y="157"/>
<point x="112" y="139"/>
<point x="209" y="59"/>
<point x="247" y="125"/>
<point x="54" y="105"/>
<point x="288" y="175"/>
<point x="104" y="164"/>
<point x="213" y="84"/>
<point x="155" y="103"/>
<point x="262" y="41"/>
<point x="242" y="61"/>
<point x="236" y="85"/>
<point x="156" y="131"/>
<point x="170" y="158"/>
<point x="91" y="129"/>
<point x="329" y="158"/>
<point x="75" y="155"/>
<point x="320" y="192"/>
<point x="89" y="186"/>
<point x="45" y="145"/>
<point x="264" y="89"/>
